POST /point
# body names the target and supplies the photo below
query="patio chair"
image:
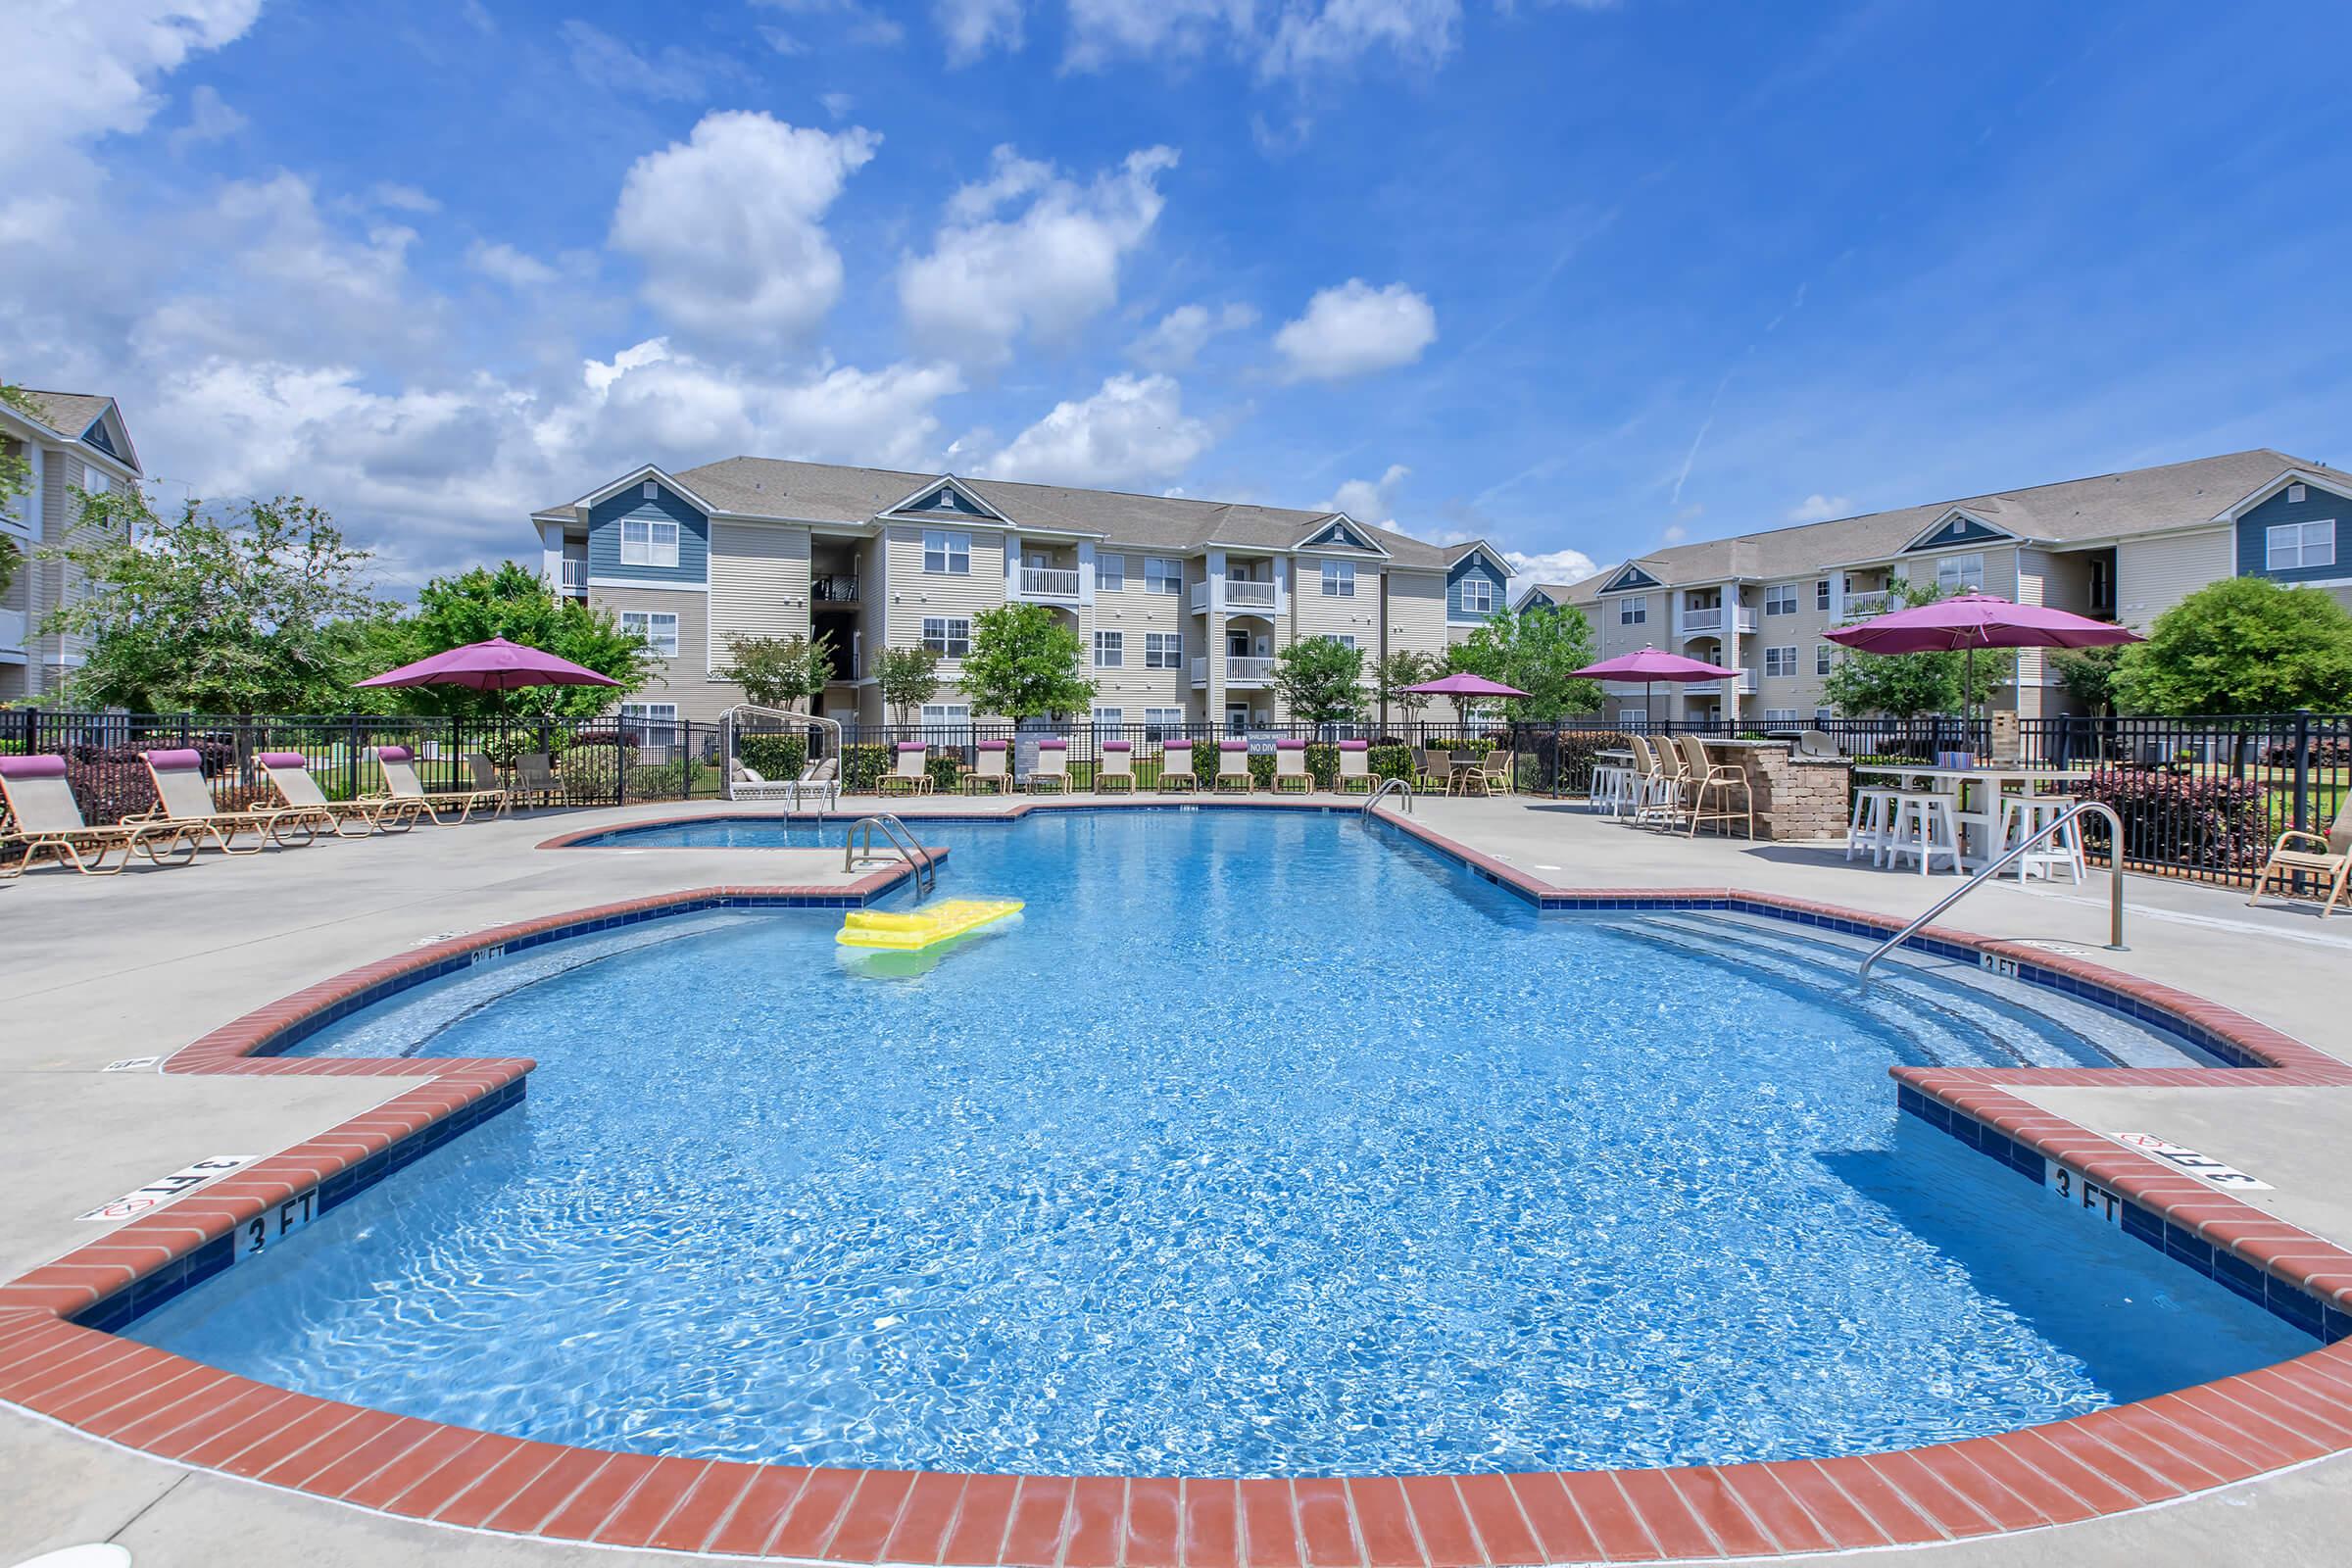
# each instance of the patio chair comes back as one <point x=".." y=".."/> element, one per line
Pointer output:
<point x="1114" y="774"/>
<point x="1052" y="774"/>
<point x="1289" y="767"/>
<point x="1355" y="767"/>
<point x="289" y="773"/>
<point x="1176" y="773"/>
<point x="44" y="819"/>
<point x="401" y="783"/>
<point x="989" y="771"/>
<point x="1233" y="768"/>
<point x="2327" y="856"/>
<point x="535" y="776"/>
<point x="182" y="796"/>
<point x="1703" y="777"/>
<point x="910" y="775"/>
<point x="1494" y="773"/>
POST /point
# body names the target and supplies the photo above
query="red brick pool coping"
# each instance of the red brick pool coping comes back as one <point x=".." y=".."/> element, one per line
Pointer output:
<point x="2110" y="1461"/>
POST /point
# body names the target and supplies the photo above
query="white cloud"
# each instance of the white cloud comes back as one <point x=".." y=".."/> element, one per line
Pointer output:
<point x="726" y="224"/>
<point x="972" y="28"/>
<point x="1103" y="31"/>
<point x="1338" y="32"/>
<point x="857" y="22"/>
<point x="1177" y="339"/>
<point x="837" y="105"/>
<point x="1355" y="329"/>
<point x="1555" y="566"/>
<point x="210" y="119"/>
<point x="1818" y="508"/>
<point x="1287" y="39"/>
<point x="402" y="198"/>
<point x="503" y="264"/>
<point x="1046" y="272"/>
<point x="1134" y="430"/>
<point x="1372" y="500"/>
<point x="604" y="61"/>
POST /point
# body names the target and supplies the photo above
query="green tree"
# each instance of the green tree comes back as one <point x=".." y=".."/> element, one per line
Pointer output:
<point x="781" y="671"/>
<point x="250" y="610"/>
<point x="908" y="677"/>
<point x="1393" y="674"/>
<point x="2088" y="675"/>
<point x="2243" y="644"/>
<point x="1024" y="664"/>
<point x="1913" y="685"/>
<point x="1320" y="680"/>
<point x="514" y="602"/>
<point x="16" y="478"/>
<point x="1537" y="650"/>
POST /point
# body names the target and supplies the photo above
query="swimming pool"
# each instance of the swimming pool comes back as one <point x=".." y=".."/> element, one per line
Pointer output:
<point x="1261" y="1144"/>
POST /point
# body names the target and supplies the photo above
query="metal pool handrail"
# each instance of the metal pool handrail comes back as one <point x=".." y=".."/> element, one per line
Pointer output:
<point x="1387" y="787"/>
<point x="926" y="877"/>
<point x="2115" y="882"/>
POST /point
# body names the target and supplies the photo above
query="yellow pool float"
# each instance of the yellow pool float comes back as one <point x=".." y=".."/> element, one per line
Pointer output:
<point x="918" y="929"/>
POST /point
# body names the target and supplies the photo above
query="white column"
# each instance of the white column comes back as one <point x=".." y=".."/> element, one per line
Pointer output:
<point x="1086" y="571"/>
<point x="1012" y="566"/>
<point x="550" y="553"/>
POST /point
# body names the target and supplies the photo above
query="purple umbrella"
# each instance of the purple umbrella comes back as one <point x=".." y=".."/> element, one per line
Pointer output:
<point x="496" y="666"/>
<point x="1462" y="686"/>
<point x="1970" y="621"/>
<point x="1650" y="666"/>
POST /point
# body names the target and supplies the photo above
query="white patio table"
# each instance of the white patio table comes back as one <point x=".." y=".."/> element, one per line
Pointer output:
<point x="1977" y="790"/>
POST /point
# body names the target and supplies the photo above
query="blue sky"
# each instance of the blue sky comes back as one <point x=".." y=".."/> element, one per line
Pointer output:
<point x="1581" y="280"/>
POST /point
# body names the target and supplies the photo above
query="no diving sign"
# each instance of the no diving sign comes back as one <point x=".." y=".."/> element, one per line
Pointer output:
<point x="164" y="1189"/>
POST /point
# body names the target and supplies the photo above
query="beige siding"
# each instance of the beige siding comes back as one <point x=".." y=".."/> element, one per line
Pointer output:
<point x="1416" y="613"/>
<point x="2154" y="573"/>
<point x="914" y="594"/>
<point x="1314" y="615"/>
<point x="758" y="583"/>
<point x="684" y="680"/>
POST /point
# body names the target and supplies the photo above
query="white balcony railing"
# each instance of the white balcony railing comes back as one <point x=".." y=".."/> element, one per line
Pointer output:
<point x="1858" y="606"/>
<point x="1716" y="619"/>
<point x="12" y="631"/>
<point x="575" y="575"/>
<point x="1744" y="686"/>
<point x="1241" y="595"/>
<point x="1050" y="582"/>
<point x="1248" y="671"/>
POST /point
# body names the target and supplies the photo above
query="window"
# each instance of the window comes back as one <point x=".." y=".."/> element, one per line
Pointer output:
<point x="94" y="483"/>
<point x="1633" y="612"/>
<point x="1781" y="599"/>
<point x="1111" y="650"/>
<point x="1960" y="574"/>
<point x="1110" y="717"/>
<point x="949" y="636"/>
<point x="1110" y="575"/>
<point x="1346" y="639"/>
<point x="1478" y="595"/>
<point x="1162" y="575"/>
<point x="656" y="628"/>
<point x="1825" y="656"/>
<point x="1783" y="716"/>
<point x="1159" y="721"/>
<point x="950" y="553"/>
<point x="1339" y="579"/>
<point x="1633" y="715"/>
<point x="1821" y="595"/>
<point x="1163" y="650"/>
<point x="645" y="542"/>
<point x="1779" y="660"/>
<point x="1824" y="716"/>
<point x="2290" y="546"/>
<point x="947" y="723"/>
<point x="654" y="726"/>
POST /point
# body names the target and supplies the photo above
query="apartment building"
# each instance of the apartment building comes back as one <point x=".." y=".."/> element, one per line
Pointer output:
<point x="2122" y="546"/>
<point x="1182" y="605"/>
<point x="74" y="443"/>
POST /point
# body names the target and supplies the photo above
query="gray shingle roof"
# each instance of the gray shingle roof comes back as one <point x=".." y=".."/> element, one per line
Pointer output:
<point x="825" y="492"/>
<point x="68" y="413"/>
<point x="2173" y="495"/>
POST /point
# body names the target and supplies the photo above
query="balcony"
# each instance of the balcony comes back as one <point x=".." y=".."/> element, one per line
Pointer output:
<point x="1048" y="582"/>
<point x="12" y="631"/>
<point x="833" y="588"/>
<point x="1241" y="594"/>
<point x="1716" y="619"/>
<point x="574" y="581"/>
<point x="1238" y="671"/>
<point x="1744" y="686"/>
<point x="1862" y="605"/>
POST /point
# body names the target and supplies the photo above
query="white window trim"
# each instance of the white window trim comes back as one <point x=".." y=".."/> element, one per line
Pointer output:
<point x="952" y="547"/>
<point x="1117" y="648"/>
<point x="1163" y="650"/>
<point x="1634" y="611"/>
<point x="651" y="551"/>
<point x="1110" y="574"/>
<point x="1780" y="598"/>
<point x="647" y="623"/>
<point x="947" y="637"/>
<point x="2301" y="532"/>
<point x="1958" y="580"/>
<point x="1164" y="575"/>
<point x="1486" y="595"/>
<point x="1339" y="579"/>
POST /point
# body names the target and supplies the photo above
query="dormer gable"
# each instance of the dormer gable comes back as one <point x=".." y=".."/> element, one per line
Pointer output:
<point x="2288" y="481"/>
<point x="1630" y="579"/>
<point x="1957" y="529"/>
<point x="945" y="500"/>
<point x="1339" y="531"/>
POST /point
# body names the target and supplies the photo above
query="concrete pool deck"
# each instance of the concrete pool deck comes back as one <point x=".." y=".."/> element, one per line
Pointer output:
<point x="100" y="970"/>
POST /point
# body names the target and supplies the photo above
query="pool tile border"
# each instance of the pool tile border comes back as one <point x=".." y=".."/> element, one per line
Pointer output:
<point x="58" y="1360"/>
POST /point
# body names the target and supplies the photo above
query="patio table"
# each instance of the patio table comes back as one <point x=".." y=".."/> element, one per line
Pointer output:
<point x="1977" y="807"/>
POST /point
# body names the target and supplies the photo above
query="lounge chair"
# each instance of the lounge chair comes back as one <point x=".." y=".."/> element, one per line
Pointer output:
<point x="1355" y="767"/>
<point x="289" y="773"/>
<point x="912" y="774"/>
<point x="1233" y="768"/>
<point x="1176" y="767"/>
<point x="486" y="779"/>
<point x="819" y="781"/>
<point x="1051" y="773"/>
<point x="750" y="784"/>
<point x="1703" y="777"/>
<point x="2326" y="856"/>
<point x="1289" y="767"/>
<point x="401" y="783"/>
<point x="182" y="796"/>
<point x="988" y="769"/>
<point x="44" y="819"/>
<point x="1115" y="773"/>
<point x="535" y="776"/>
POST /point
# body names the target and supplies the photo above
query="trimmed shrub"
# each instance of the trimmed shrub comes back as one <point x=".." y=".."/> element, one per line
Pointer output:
<point x="1323" y="762"/>
<point x="773" y="757"/>
<point x="1204" y="764"/>
<point x="1390" y="759"/>
<point x="947" y="772"/>
<point x="1572" y="757"/>
<point x="111" y="782"/>
<point x="2218" y="824"/>
<point x="863" y="767"/>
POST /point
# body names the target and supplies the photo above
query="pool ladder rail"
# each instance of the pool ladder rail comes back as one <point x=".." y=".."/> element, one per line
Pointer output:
<point x="897" y="836"/>
<point x="2115" y="881"/>
<point x="1390" y="787"/>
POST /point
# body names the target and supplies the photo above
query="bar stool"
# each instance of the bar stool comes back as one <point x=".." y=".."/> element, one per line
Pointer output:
<point x="2023" y="816"/>
<point x="1872" y="826"/>
<point x="1612" y="789"/>
<point x="1925" y="827"/>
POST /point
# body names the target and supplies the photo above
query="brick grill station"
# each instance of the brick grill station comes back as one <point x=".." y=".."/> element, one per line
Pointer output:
<point x="1797" y="797"/>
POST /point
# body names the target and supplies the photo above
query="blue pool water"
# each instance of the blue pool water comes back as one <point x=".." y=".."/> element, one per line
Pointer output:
<point x="1262" y="1144"/>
